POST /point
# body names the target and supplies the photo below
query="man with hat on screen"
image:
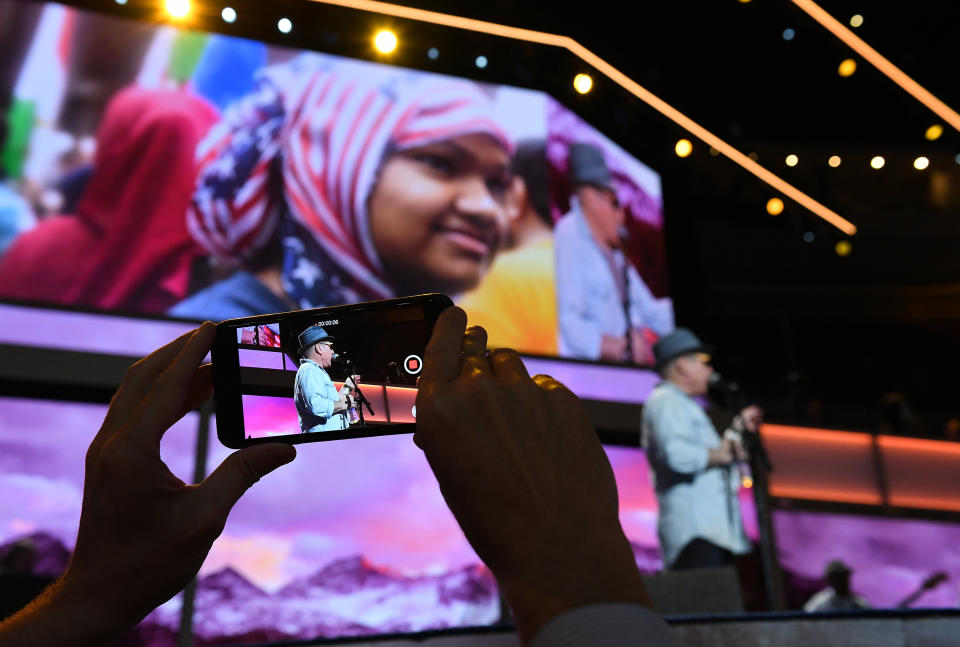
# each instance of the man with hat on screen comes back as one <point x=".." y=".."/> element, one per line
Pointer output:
<point x="320" y="406"/>
<point x="838" y="596"/>
<point x="603" y="306"/>
<point x="694" y="469"/>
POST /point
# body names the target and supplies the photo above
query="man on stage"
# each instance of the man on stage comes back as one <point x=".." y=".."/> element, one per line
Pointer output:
<point x="694" y="469"/>
<point x="320" y="406"/>
<point x="605" y="310"/>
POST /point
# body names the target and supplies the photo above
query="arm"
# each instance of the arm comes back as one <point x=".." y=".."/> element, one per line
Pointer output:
<point x="554" y="543"/>
<point x="321" y="396"/>
<point x="143" y="533"/>
<point x="672" y="440"/>
<point x="646" y="309"/>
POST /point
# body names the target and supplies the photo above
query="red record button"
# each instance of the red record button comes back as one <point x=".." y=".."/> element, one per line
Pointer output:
<point x="413" y="364"/>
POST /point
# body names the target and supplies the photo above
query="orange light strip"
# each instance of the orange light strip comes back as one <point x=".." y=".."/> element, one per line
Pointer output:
<point x="814" y="435"/>
<point x="817" y="494"/>
<point x="928" y="503"/>
<point x="874" y="57"/>
<point x="615" y="75"/>
<point x="920" y="445"/>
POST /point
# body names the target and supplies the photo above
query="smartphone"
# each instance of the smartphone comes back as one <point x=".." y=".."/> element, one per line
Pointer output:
<point x="327" y="374"/>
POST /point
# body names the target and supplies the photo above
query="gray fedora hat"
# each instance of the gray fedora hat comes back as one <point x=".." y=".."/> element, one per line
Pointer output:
<point x="588" y="166"/>
<point x="680" y="342"/>
<point x="312" y="335"/>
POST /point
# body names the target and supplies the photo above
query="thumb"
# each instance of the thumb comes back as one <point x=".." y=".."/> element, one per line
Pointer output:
<point x="242" y="469"/>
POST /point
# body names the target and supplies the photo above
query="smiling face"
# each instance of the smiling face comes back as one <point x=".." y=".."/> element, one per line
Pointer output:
<point x="439" y="213"/>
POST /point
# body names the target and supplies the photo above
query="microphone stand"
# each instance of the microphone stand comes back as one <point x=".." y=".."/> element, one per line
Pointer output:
<point x="760" y="467"/>
<point x="360" y="397"/>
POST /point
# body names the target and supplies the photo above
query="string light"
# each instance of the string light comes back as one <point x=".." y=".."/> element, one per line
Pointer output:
<point x="834" y="161"/>
<point x="481" y="62"/>
<point x="792" y="160"/>
<point x="433" y="53"/>
<point x="847" y="67"/>
<point x="285" y="25"/>
<point x="385" y="41"/>
<point x="877" y="162"/>
<point x="933" y="132"/>
<point x="582" y="83"/>
<point x="178" y="8"/>
<point x="788" y="34"/>
<point x="856" y="20"/>
<point x="229" y="14"/>
<point x="774" y="206"/>
<point x="683" y="148"/>
<point x="843" y="248"/>
<point x="921" y="163"/>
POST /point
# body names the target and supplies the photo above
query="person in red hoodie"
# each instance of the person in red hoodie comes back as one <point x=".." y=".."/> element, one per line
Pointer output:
<point x="127" y="247"/>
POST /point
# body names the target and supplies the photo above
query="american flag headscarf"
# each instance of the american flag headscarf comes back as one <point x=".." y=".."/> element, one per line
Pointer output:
<point x="300" y="156"/>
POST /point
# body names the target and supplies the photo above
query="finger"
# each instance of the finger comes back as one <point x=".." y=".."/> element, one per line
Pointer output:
<point x="473" y="352"/>
<point x="161" y="406"/>
<point x="507" y="365"/>
<point x="552" y="385"/>
<point x="199" y="391"/>
<point x="240" y="470"/>
<point x="441" y="359"/>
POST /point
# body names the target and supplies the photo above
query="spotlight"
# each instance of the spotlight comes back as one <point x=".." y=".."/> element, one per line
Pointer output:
<point x="178" y="8"/>
<point x="284" y="25"/>
<point x="433" y="53"/>
<point x="933" y="132"/>
<point x="856" y="20"/>
<point x="385" y="41"/>
<point x="843" y="248"/>
<point x="683" y="148"/>
<point x="957" y="158"/>
<point x="847" y="67"/>
<point x="788" y="34"/>
<point x="582" y="83"/>
<point x="921" y="163"/>
<point x="877" y="162"/>
<point x="808" y="237"/>
<point x="834" y="161"/>
<point x="229" y="14"/>
<point x="121" y="2"/>
<point x="774" y="206"/>
<point x="481" y="62"/>
<point x="791" y="160"/>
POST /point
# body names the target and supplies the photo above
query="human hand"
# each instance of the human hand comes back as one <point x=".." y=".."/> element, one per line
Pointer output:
<point x="523" y="472"/>
<point x="143" y="533"/>
<point x="612" y="348"/>
<point x="640" y="348"/>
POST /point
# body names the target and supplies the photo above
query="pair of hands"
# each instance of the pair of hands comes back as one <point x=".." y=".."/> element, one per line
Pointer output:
<point x="516" y="458"/>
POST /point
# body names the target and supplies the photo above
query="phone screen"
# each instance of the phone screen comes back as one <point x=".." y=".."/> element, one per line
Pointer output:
<point x="326" y="374"/>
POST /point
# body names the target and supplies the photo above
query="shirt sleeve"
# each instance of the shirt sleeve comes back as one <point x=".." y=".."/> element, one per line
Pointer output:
<point x="606" y="625"/>
<point x="646" y="309"/>
<point x="317" y="393"/>
<point x="672" y="438"/>
<point x="579" y="328"/>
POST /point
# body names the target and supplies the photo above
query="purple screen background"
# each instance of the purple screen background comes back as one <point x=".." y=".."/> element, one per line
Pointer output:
<point x="889" y="557"/>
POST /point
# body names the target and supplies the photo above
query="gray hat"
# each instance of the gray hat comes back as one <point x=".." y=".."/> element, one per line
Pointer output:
<point x="587" y="166"/>
<point x="310" y="336"/>
<point x="680" y="342"/>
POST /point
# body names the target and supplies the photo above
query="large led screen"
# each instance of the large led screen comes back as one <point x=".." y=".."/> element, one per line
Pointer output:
<point x="43" y="444"/>
<point x="159" y="170"/>
<point x="890" y="559"/>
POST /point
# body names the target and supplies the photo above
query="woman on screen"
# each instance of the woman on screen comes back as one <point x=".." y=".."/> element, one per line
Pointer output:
<point x="127" y="246"/>
<point x="337" y="182"/>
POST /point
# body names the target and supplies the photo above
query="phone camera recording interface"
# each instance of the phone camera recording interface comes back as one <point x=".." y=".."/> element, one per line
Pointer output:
<point x="329" y="374"/>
